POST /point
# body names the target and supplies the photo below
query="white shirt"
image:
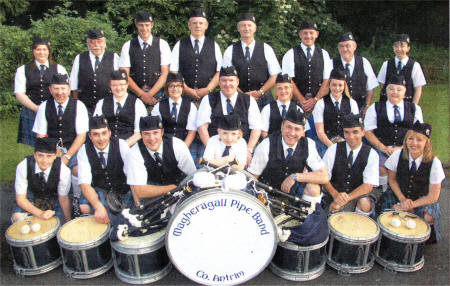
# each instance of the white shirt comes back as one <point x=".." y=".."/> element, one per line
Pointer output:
<point x="192" y="116"/>
<point x="20" y="81"/>
<point x="137" y="173"/>
<point x="372" y="81"/>
<point x="417" y="76"/>
<point x="204" y="111"/>
<point x="163" y="47"/>
<point x="265" y="115"/>
<point x="437" y="174"/>
<point x="215" y="147"/>
<point x="76" y="67"/>
<point x="272" y="62"/>
<point x="81" y="118"/>
<point x="261" y="156"/>
<point x="21" y="182"/>
<point x="139" y="109"/>
<point x="319" y="108"/>
<point x="371" y="171"/>
<point x="288" y="64"/>
<point x="84" y="167"/>
<point x="175" y="56"/>
<point x="370" y="121"/>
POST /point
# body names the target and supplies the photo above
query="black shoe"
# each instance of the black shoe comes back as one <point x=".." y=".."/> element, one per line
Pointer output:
<point x="432" y="239"/>
<point x="76" y="212"/>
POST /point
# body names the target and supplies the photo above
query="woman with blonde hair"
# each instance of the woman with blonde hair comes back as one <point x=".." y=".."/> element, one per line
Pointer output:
<point x="415" y="178"/>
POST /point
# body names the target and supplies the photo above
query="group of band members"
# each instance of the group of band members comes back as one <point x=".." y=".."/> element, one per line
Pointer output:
<point x="322" y="107"/>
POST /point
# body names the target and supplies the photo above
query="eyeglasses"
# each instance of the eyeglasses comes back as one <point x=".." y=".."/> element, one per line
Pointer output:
<point x="118" y="85"/>
<point x="174" y="86"/>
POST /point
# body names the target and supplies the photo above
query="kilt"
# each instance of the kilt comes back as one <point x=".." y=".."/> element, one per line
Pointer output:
<point x="197" y="148"/>
<point x="26" y="122"/>
<point x="383" y="157"/>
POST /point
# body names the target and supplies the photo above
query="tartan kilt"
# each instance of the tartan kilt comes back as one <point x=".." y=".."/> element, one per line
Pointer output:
<point x="26" y="122"/>
<point x="197" y="148"/>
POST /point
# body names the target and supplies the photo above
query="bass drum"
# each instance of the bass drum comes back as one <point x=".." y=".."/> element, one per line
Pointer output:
<point x="218" y="237"/>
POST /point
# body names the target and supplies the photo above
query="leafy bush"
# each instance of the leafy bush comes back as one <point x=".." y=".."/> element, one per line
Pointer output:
<point x="8" y="104"/>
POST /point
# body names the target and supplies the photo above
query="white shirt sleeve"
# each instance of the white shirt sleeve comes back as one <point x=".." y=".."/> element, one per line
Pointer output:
<point x="208" y="154"/>
<point x="265" y="118"/>
<point x="418" y="115"/>
<point x="62" y="70"/>
<point x="125" y="56"/>
<point x="155" y="111"/>
<point x="327" y="65"/>
<point x="329" y="157"/>
<point x="260" y="158"/>
<point x="139" y="111"/>
<point x="318" y="111"/>
<point x="240" y="150"/>
<point x="372" y="81"/>
<point x="370" y="120"/>
<point x="218" y="54"/>
<point x="183" y="156"/>
<point x="287" y="64"/>
<point x="437" y="174"/>
<point x="192" y="118"/>
<point x="124" y="150"/>
<point x="74" y="73"/>
<point x="165" y="52"/>
<point x="228" y="57"/>
<point x="65" y="180"/>
<point x="21" y="182"/>
<point x="272" y="61"/>
<point x="392" y="161"/>
<point x="84" y="168"/>
<point x="20" y="81"/>
<point x="354" y="106"/>
<point x="99" y="108"/>
<point x="116" y="63"/>
<point x="204" y="112"/>
<point x="382" y="74"/>
<point x="417" y="76"/>
<point x="175" y="58"/>
<point x="314" y="161"/>
<point x="136" y="171"/>
<point x="82" y="118"/>
<point x="371" y="172"/>
<point x="40" y="122"/>
<point x="254" y="116"/>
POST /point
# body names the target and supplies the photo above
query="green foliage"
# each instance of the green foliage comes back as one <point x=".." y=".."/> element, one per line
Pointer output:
<point x="9" y="105"/>
<point x="11" y="8"/>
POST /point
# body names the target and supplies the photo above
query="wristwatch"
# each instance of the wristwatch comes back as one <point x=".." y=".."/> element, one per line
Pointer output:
<point x="294" y="176"/>
<point x="67" y="156"/>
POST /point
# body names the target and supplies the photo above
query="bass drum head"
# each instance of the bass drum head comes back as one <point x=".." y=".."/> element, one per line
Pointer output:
<point x="420" y="232"/>
<point x="221" y="237"/>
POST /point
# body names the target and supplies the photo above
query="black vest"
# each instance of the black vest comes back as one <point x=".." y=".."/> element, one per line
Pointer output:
<point x="93" y="86"/>
<point x="112" y="178"/>
<point x="178" y="129"/>
<point x="122" y="124"/>
<point x="251" y="76"/>
<point x="357" y="82"/>
<point x="276" y="169"/>
<point x="48" y="190"/>
<point x="308" y="74"/>
<point x="37" y="86"/>
<point x="61" y="127"/>
<point x="145" y="67"/>
<point x="275" y="119"/>
<point x="332" y="120"/>
<point x="413" y="186"/>
<point x="197" y="70"/>
<point x="345" y="178"/>
<point x="406" y="72"/>
<point x="392" y="134"/>
<point x="240" y="108"/>
<point x="166" y="174"/>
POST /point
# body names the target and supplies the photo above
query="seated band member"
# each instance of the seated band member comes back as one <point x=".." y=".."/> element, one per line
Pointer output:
<point x="154" y="168"/>
<point x="353" y="167"/>
<point x="280" y="159"/>
<point x="415" y="178"/>
<point x="228" y="144"/>
<point x="42" y="184"/>
<point x="122" y="110"/>
<point x="101" y="169"/>
<point x="178" y="113"/>
<point x="386" y="122"/>
<point x="273" y="114"/>
<point x="329" y="110"/>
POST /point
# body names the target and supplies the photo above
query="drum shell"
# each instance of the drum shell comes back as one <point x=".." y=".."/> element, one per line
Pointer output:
<point x="35" y="255"/>
<point x="141" y="264"/>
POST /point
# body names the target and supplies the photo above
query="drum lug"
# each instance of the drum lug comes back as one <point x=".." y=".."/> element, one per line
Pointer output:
<point x="19" y="273"/>
<point x="69" y="276"/>
<point x="344" y="273"/>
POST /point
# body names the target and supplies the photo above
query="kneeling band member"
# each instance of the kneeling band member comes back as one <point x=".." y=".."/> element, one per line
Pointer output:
<point x="101" y="169"/>
<point x="353" y="167"/>
<point x="42" y="184"/>
<point x="280" y="159"/>
<point x="154" y="166"/>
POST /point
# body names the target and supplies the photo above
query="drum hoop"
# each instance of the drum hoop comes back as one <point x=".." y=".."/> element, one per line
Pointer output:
<point x="33" y="240"/>
<point x="139" y="248"/>
<point x="292" y="246"/>
<point x="83" y="245"/>
<point x="402" y="237"/>
<point x="221" y="191"/>
<point x="346" y="238"/>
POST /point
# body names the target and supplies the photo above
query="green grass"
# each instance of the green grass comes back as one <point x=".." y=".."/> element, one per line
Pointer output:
<point x="434" y="103"/>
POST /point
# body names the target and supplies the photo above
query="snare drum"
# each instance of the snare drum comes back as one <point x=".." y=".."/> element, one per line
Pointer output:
<point x="352" y="242"/>
<point x="141" y="260"/>
<point x="298" y="263"/>
<point x="85" y="248"/>
<point x="401" y="248"/>
<point x="35" y="252"/>
<point x="219" y="237"/>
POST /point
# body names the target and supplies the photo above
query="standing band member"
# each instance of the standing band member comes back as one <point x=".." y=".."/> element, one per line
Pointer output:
<point x="256" y="63"/>
<point x="42" y="184"/>
<point x="122" y="110"/>
<point x="353" y="168"/>
<point x="89" y="79"/>
<point x="146" y="60"/>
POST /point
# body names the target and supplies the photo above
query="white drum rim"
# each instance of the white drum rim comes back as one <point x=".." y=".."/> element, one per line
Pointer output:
<point x="33" y="240"/>
<point x="350" y="239"/>
<point x="401" y="237"/>
<point x="211" y="192"/>
<point x="139" y="249"/>
<point x="83" y="245"/>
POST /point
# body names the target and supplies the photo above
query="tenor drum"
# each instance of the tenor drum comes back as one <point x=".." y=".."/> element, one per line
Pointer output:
<point x="401" y="248"/>
<point x="295" y="262"/>
<point x="219" y="237"/>
<point x="352" y="242"/>
<point x="141" y="260"/>
<point x="85" y="248"/>
<point x="35" y="252"/>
